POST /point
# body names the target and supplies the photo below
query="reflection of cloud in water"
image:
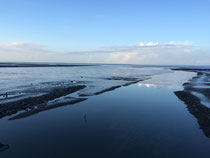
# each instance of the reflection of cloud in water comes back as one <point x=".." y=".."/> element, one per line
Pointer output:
<point x="146" y="84"/>
<point x="173" y="80"/>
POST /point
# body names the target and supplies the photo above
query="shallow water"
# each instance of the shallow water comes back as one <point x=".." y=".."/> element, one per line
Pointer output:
<point x="20" y="81"/>
<point x="141" y="120"/>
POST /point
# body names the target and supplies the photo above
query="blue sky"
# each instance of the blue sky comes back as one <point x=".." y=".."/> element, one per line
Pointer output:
<point x="84" y="25"/>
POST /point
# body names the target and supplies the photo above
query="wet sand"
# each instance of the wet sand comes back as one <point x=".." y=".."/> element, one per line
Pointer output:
<point x="131" y="121"/>
<point x="195" y="91"/>
<point x="145" y="119"/>
<point x="30" y="105"/>
<point x="39" y="102"/>
<point x="34" y="104"/>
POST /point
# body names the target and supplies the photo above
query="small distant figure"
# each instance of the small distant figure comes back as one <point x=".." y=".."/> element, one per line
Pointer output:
<point x="81" y="76"/>
<point x="6" y="95"/>
<point x="85" y="118"/>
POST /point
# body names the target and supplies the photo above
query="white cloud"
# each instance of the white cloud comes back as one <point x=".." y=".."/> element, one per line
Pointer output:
<point x="144" y="53"/>
<point x="25" y="52"/>
<point x="121" y="57"/>
<point x="185" y="43"/>
<point x="141" y="44"/>
<point x="170" y="53"/>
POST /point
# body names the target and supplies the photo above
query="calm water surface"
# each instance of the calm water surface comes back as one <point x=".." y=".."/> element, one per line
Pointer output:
<point x="140" y="120"/>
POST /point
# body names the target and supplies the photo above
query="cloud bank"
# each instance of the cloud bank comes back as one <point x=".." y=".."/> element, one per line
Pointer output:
<point x="171" y="53"/>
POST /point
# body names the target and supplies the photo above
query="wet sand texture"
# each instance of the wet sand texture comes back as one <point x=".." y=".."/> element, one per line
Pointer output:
<point x="29" y="103"/>
<point x="194" y="105"/>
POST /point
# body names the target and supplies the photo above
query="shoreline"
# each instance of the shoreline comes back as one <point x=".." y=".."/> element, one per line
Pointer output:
<point x="53" y="97"/>
<point x="199" y="84"/>
<point x="9" y="108"/>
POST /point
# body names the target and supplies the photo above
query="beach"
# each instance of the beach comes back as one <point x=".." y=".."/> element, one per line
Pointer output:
<point x="105" y="111"/>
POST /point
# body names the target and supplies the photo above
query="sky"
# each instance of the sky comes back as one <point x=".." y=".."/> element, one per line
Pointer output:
<point x="106" y="31"/>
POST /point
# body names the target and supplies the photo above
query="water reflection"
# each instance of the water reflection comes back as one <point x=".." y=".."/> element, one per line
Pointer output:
<point x="146" y="84"/>
<point x="128" y="122"/>
<point x="45" y="107"/>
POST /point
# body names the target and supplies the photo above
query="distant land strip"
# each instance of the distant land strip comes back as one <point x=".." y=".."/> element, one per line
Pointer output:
<point x="44" y="65"/>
